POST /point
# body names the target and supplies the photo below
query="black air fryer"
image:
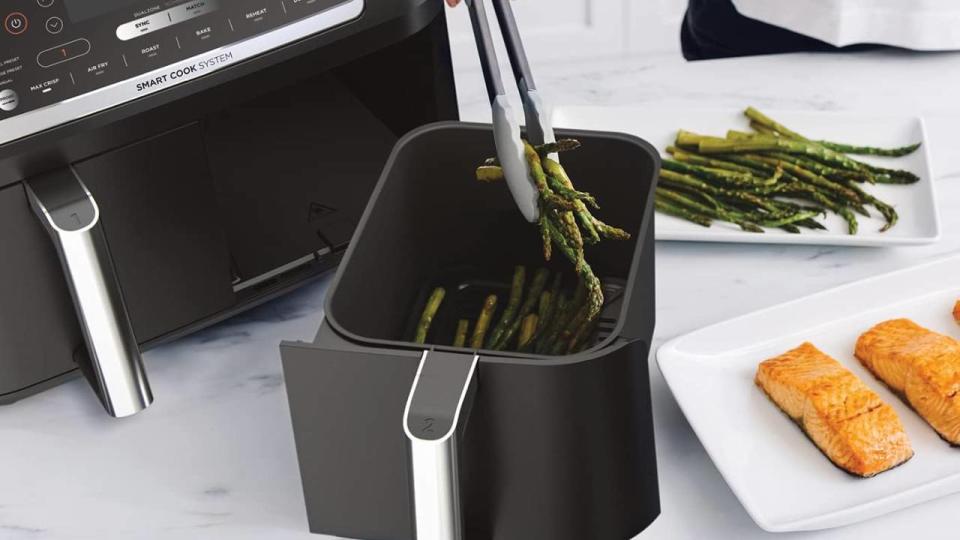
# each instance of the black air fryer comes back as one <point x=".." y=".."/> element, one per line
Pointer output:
<point x="551" y="448"/>
<point x="167" y="164"/>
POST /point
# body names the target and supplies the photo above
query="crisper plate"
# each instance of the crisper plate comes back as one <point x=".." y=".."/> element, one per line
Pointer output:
<point x="779" y="475"/>
<point x="919" y="218"/>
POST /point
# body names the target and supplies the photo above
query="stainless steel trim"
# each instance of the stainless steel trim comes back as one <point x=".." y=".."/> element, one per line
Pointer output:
<point x="72" y="218"/>
<point x="434" y="447"/>
<point x="107" y="97"/>
<point x="266" y="276"/>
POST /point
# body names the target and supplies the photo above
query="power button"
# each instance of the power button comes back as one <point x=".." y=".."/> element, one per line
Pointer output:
<point x="16" y="23"/>
<point x="8" y="100"/>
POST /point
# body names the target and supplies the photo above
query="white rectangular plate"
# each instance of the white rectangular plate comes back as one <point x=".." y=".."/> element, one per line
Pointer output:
<point x="779" y="475"/>
<point x="919" y="218"/>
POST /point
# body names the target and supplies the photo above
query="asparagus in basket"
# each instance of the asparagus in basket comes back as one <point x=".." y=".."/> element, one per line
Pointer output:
<point x="433" y="304"/>
<point x="483" y="321"/>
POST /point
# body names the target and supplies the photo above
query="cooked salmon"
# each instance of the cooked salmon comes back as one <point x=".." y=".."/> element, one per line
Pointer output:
<point x="850" y="424"/>
<point x="920" y="365"/>
<point x="956" y="311"/>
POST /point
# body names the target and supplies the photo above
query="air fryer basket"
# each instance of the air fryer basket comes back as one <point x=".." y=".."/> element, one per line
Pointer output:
<point x="557" y="447"/>
<point x="433" y="224"/>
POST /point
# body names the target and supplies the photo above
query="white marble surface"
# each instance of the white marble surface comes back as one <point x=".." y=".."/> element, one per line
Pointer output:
<point x="214" y="457"/>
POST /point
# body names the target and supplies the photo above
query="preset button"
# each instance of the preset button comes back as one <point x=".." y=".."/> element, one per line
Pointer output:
<point x="8" y="100"/>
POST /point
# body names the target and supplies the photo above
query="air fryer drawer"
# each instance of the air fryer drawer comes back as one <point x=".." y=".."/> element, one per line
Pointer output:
<point x="159" y="213"/>
<point x="38" y="327"/>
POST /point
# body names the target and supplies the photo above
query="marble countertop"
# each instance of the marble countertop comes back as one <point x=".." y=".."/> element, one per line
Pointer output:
<point x="213" y="458"/>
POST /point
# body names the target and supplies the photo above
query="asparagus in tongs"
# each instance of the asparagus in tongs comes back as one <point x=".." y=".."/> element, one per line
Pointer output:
<point x="540" y="186"/>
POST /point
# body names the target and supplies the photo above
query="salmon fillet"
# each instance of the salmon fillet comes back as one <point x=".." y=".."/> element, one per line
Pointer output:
<point x="920" y="365"/>
<point x="850" y="424"/>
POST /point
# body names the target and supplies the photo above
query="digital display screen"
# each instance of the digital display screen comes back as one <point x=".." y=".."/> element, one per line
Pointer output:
<point x="81" y="10"/>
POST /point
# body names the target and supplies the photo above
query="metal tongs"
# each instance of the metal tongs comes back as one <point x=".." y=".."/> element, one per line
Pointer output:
<point x="506" y="128"/>
<point x="440" y="399"/>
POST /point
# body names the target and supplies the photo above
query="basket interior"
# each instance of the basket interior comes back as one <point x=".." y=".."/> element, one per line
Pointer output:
<point x="430" y="223"/>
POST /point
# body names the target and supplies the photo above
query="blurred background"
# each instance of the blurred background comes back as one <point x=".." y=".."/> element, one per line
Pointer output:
<point x="563" y="30"/>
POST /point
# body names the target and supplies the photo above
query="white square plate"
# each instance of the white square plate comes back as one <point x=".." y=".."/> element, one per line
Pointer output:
<point x="779" y="475"/>
<point x="919" y="218"/>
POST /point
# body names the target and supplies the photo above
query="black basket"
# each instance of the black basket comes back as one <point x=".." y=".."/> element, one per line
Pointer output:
<point x="558" y="447"/>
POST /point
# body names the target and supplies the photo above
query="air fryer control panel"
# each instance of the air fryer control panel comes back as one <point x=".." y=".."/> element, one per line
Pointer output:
<point x="65" y="59"/>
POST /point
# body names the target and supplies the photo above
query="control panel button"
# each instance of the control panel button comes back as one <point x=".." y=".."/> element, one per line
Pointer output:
<point x="54" y="25"/>
<point x="203" y="35"/>
<point x="95" y="71"/>
<point x="16" y="23"/>
<point x="150" y="53"/>
<point x="49" y="90"/>
<point x="163" y="19"/>
<point x="63" y="53"/>
<point x="45" y="3"/>
<point x="8" y="100"/>
<point x="258" y="17"/>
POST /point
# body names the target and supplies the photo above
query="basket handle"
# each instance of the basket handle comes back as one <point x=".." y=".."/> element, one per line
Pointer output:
<point x="436" y="413"/>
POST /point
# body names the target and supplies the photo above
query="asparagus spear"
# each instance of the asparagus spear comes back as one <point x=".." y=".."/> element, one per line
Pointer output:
<point x="545" y="234"/>
<point x="513" y="304"/>
<point x="426" y="319"/>
<point x="682" y="213"/>
<point x="763" y="120"/>
<point x="581" y="339"/>
<point x="825" y="170"/>
<point x="549" y="300"/>
<point x="584" y="342"/>
<point x="543" y="307"/>
<point x="563" y="145"/>
<point x="463" y="328"/>
<point x="527" y="329"/>
<point x="557" y="172"/>
<point x="714" y="175"/>
<point x="565" y="340"/>
<point x="570" y="312"/>
<point x="809" y="176"/>
<point x="540" y="179"/>
<point x="541" y="343"/>
<point x="483" y="321"/>
<point x="567" y="191"/>
<point x="870" y="150"/>
<point x="490" y="173"/>
<point x="888" y="212"/>
<point x="719" y="213"/>
<point x="891" y="176"/>
<point x="771" y="125"/>
<point x="533" y="296"/>
<point x="587" y="277"/>
<point x="713" y="145"/>
<point x="705" y="161"/>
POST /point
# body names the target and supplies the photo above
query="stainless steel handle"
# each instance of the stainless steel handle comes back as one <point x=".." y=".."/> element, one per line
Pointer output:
<point x="71" y="216"/>
<point x="437" y="410"/>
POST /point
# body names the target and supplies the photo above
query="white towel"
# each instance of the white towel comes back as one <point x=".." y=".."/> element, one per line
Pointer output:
<point x="925" y="25"/>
